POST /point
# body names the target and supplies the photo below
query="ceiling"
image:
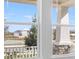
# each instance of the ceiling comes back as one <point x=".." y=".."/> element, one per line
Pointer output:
<point x="55" y="3"/>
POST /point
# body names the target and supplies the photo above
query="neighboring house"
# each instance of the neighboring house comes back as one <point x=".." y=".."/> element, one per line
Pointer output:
<point x="10" y="36"/>
<point x="72" y="36"/>
<point x="17" y="35"/>
<point x="21" y="33"/>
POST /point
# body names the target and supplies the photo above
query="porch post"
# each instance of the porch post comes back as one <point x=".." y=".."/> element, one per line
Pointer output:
<point x="44" y="29"/>
<point x="62" y="30"/>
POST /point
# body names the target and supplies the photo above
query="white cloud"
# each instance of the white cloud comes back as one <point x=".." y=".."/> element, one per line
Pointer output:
<point x="27" y="16"/>
<point x="11" y="14"/>
<point x="5" y="17"/>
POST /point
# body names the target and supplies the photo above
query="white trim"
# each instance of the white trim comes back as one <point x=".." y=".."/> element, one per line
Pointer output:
<point x="45" y="27"/>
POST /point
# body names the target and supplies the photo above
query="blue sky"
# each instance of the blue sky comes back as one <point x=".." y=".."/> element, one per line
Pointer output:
<point x="24" y="13"/>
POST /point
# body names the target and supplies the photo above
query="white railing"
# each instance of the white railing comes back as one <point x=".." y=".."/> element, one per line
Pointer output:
<point x="20" y="52"/>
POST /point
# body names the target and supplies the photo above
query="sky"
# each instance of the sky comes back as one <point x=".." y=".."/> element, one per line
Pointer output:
<point x="24" y="12"/>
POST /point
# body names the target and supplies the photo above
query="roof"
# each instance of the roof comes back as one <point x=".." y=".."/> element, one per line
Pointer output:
<point x="21" y="30"/>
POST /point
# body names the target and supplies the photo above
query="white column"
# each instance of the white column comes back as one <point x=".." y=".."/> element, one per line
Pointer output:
<point x="44" y="29"/>
<point x="62" y="31"/>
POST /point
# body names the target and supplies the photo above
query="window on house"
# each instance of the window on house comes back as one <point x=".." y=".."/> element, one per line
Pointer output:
<point x="20" y="34"/>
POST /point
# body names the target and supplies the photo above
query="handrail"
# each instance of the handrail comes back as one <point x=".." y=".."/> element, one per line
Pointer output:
<point x="30" y="23"/>
<point x="19" y="23"/>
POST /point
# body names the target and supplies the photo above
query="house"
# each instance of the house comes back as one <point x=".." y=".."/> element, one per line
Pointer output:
<point x="21" y="33"/>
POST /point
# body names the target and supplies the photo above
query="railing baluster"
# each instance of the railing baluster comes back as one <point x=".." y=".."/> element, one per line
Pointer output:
<point x="17" y="53"/>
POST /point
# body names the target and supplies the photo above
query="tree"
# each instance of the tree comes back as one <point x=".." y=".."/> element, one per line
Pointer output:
<point x="6" y="27"/>
<point x="54" y="34"/>
<point x="31" y="40"/>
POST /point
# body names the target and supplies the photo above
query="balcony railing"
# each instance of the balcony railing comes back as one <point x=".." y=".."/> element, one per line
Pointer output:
<point x="20" y="52"/>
